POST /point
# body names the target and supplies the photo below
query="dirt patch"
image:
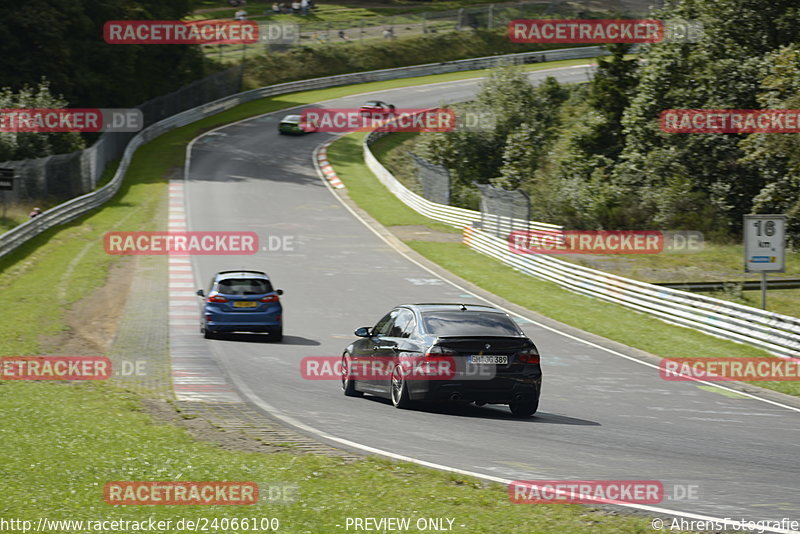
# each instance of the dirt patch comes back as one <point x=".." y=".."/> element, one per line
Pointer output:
<point x="203" y="430"/>
<point x="92" y="322"/>
<point x="423" y="233"/>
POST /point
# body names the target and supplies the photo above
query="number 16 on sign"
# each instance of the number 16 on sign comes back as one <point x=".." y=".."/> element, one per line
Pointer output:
<point x="764" y="247"/>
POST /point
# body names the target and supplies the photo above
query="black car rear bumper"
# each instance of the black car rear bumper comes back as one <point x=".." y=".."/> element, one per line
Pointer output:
<point x="495" y="391"/>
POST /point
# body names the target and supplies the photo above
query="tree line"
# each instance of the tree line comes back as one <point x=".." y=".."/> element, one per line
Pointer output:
<point x="593" y="156"/>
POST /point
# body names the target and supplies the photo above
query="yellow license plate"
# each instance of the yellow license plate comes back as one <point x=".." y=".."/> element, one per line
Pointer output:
<point x="245" y="304"/>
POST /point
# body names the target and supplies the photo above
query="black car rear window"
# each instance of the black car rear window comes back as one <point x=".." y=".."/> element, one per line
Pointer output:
<point x="469" y="323"/>
<point x="244" y="286"/>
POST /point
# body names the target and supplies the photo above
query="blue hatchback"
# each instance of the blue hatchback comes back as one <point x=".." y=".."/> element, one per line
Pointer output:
<point x="241" y="301"/>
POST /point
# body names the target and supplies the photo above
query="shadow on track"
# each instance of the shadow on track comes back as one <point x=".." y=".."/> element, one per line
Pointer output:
<point x="265" y="338"/>
<point x="497" y="412"/>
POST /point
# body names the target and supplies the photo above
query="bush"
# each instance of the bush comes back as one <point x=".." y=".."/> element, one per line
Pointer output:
<point x="327" y="60"/>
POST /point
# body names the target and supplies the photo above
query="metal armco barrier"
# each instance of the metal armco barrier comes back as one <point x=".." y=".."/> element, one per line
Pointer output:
<point x="78" y="206"/>
<point x="773" y="332"/>
<point x="450" y="215"/>
<point x="776" y="333"/>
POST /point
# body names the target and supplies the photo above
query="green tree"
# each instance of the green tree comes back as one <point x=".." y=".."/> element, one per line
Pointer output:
<point x="776" y="157"/>
<point x="697" y="180"/>
<point x="24" y="145"/>
<point x="63" y="40"/>
<point x="609" y="95"/>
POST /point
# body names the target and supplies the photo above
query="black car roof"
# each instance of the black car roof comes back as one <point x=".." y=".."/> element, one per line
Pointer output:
<point x="449" y="306"/>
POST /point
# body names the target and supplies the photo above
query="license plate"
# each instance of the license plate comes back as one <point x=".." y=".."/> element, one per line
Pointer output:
<point x="245" y="304"/>
<point x="489" y="359"/>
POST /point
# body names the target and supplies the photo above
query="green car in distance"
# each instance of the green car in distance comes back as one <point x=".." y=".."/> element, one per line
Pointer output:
<point x="294" y="124"/>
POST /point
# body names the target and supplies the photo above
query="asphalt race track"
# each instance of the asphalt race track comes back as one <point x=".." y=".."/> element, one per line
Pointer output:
<point x="601" y="416"/>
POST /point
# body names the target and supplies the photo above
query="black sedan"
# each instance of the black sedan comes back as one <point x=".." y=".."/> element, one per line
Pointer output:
<point x="445" y="352"/>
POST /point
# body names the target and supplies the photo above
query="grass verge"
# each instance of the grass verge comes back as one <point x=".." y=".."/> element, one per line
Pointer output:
<point x="88" y="435"/>
<point x="604" y="319"/>
<point x="63" y="442"/>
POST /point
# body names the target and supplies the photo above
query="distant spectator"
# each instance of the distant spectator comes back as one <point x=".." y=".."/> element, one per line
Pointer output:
<point x="285" y="8"/>
<point x="387" y="34"/>
<point x="342" y="35"/>
<point x="304" y="7"/>
<point x="240" y="15"/>
<point x="295" y="7"/>
<point x="35" y="212"/>
<point x="311" y="4"/>
<point x="276" y="9"/>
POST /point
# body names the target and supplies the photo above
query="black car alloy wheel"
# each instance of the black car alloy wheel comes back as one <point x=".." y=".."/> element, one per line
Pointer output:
<point x="400" y="397"/>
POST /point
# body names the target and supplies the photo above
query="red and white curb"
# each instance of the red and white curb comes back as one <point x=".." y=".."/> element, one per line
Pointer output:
<point x="326" y="167"/>
<point x="195" y="374"/>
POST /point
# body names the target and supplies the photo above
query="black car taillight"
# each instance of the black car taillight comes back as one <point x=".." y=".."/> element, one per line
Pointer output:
<point x="437" y="350"/>
<point x="528" y="356"/>
<point x="270" y="298"/>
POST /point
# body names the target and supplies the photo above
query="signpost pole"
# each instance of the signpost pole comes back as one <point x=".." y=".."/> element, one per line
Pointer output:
<point x="6" y="184"/>
<point x="764" y="291"/>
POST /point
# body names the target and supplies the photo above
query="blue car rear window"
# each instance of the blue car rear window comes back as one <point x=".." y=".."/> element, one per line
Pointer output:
<point x="244" y="286"/>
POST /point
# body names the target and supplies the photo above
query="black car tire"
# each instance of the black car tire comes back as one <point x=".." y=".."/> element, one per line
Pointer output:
<point x="524" y="408"/>
<point x="276" y="334"/>
<point x="348" y="384"/>
<point x="208" y="334"/>
<point x="399" y="390"/>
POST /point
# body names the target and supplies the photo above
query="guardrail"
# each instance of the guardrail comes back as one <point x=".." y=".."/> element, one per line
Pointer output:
<point x="773" y="332"/>
<point x="78" y="206"/>
<point x="746" y="285"/>
<point x="449" y="215"/>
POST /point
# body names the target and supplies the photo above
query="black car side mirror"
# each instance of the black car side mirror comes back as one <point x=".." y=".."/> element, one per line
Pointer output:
<point x="279" y="291"/>
<point x="201" y="293"/>
<point x="362" y="332"/>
